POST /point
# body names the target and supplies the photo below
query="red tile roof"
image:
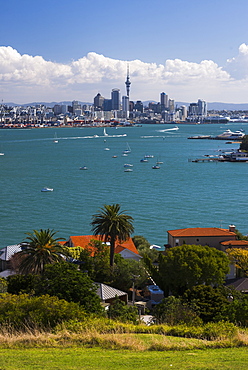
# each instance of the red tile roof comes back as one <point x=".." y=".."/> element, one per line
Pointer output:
<point x="236" y="243"/>
<point x="201" y="231"/>
<point x="83" y="241"/>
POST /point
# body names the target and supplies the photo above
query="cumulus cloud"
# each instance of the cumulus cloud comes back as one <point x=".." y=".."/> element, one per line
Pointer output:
<point x="26" y="71"/>
<point x="238" y="66"/>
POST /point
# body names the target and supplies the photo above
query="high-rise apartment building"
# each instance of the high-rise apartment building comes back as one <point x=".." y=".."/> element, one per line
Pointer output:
<point x="202" y="108"/>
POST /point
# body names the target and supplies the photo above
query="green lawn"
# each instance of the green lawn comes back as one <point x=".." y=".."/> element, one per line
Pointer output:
<point x="96" y="358"/>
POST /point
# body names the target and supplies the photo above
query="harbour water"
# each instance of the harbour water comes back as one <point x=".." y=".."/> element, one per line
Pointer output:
<point x="180" y="194"/>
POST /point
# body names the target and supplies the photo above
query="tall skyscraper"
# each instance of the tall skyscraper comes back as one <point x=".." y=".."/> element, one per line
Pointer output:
<point x="115" y="97"/>
<point x="163" y="101"/>
<point x="98" y="101"/>
<point x="128" y="82"/>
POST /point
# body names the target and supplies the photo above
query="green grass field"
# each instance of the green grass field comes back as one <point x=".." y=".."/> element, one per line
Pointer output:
<point x="95" y="358"/>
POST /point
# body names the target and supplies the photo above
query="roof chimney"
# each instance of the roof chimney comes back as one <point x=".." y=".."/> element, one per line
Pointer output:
<point x="232" y="228"/>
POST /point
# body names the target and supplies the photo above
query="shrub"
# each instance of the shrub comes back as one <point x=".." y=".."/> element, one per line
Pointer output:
<point x="120" y="311"/>
<point x="172" y="312"/>
<point x="3" y="285"/>
<point x="22" y="311"/>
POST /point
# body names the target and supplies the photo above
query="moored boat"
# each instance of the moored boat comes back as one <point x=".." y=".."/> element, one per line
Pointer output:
<point x="46" y="189"/>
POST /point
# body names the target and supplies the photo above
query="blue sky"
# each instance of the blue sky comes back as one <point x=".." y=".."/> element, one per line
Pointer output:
<point x="65" y="50"/>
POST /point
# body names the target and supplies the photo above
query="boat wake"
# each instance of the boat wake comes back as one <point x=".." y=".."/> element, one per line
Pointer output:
<point x="151" y="136"/>
<point x="169" y="129"/>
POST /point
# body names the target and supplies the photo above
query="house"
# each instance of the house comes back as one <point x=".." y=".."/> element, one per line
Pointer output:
<point x="211" y="236"/>
<point x="5" y="255"/>
<point x="239" y="284"/>
<point x="126" y="249"/>
<point x="108" y="294"/>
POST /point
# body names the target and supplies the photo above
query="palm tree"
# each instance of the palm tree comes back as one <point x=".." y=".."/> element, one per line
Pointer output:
<point x="39" y="249"/>
<point x="111" y="225"/>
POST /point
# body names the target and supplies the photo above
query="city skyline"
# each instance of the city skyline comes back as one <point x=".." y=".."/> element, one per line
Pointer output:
<point x="60" y="50"/>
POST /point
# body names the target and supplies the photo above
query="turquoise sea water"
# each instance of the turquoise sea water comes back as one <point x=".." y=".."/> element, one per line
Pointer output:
<point x="180" y="194"/>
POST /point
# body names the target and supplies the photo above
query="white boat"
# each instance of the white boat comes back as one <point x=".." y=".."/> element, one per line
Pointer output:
<point x="46" y="189"/>
<point x="230" y="135"/>
<point x="144" y="160"/>
<point x="149" y="156"/>
<point x="83" y="168"/>
<point x="128" y="165"/>
<point x="156" y="167"/>
<point x="106" y="149"/>
<point x="128" y="170"/>
<point x="1" y="153"/>
<point x="55" y="139"/>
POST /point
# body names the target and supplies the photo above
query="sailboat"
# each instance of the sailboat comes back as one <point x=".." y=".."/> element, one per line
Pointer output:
<point x="128" y="150"/>
<point x="55" y="139"/>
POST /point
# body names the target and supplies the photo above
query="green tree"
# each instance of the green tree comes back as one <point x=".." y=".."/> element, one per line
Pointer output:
<point x="210" y="303"/>
<point x="125" y="272"/>
<point x="120" y="311"/>
<point x="95" y="260"/>
<point x="39" y="249"/>
<point x="173" y="311"/>
<point x="244" y="144"/>
<point x="112" y="224"/>
<point x="65" y="281"/>
<point x="185" y="266"/>
<point x="239" y="256"/>
<point x="143" y="247"/>
<point x="22" y="283"/>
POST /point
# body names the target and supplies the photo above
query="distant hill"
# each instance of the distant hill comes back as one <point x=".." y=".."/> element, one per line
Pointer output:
<point x="47" y="104"/>
<point x="211" y="106"/>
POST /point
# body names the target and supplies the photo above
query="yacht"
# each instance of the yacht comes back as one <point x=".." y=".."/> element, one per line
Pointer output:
<point x="230" y="135"/>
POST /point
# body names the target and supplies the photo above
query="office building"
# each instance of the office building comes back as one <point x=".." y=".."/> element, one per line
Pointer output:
<point x="115" y="97"/>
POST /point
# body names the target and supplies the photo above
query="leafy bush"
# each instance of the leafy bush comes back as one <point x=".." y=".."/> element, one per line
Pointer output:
<point x="3" y="285"/>
<point x="120" y="311"/>
<point x="22" y="283"/>
<point x="172" y="312"/>
<point x="21" y="311"/>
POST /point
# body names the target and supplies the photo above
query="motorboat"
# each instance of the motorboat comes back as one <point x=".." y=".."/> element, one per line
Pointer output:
<point x="156" y="167"/>
<point x="144" y="160"/>
<point x="83" y="168"/>
<point x="149" y="156"/>
<point x="46" y="189"/>
<point x="128" y="165"/>
<point x="128" y="170"/>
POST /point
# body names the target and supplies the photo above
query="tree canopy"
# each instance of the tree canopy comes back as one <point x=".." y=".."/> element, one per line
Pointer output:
<point x="240" y="257"/>
<point x="185" y="266"/>
<point x="112" y="224"/>
<point x="39" y="249"/>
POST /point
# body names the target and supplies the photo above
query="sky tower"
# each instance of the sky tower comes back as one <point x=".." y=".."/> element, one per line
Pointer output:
<point x="128" y="83"/>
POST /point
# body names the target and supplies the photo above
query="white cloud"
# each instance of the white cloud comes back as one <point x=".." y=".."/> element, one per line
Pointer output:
<point x="32" y="77"/>
<point x="238" y="66"/>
